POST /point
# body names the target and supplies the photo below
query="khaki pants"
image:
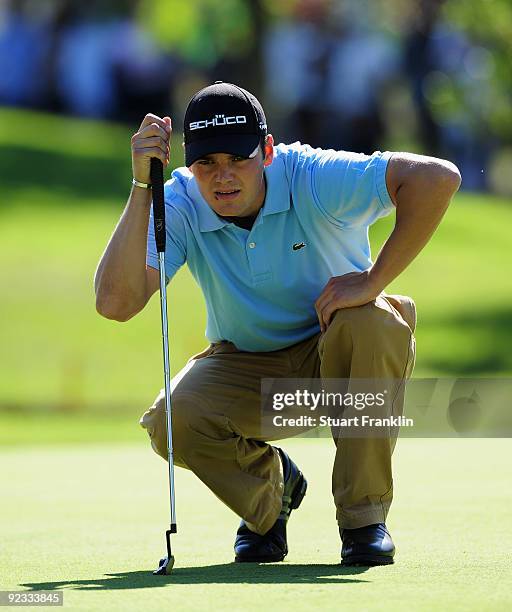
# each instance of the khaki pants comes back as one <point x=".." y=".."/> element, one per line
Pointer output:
<point x="216" y="414"/>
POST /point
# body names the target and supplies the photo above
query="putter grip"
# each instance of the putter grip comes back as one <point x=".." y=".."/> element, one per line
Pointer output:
<point x="157" y="185"/>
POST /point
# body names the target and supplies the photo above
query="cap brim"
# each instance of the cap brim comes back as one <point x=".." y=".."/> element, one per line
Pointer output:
<point x="236" y="144"/>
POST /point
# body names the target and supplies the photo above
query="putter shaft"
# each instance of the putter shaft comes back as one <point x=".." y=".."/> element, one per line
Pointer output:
<point x="157" y="181"/>
<point x="167" y="380"/>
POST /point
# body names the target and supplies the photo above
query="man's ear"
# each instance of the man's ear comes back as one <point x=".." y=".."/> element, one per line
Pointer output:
<point x="269" y="150"/>
<point x="183" y="147"/>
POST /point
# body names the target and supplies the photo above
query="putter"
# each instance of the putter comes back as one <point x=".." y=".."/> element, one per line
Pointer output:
<point x="157" y="181"/>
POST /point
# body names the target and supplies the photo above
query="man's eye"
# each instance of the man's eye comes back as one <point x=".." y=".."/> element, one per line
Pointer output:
<point x="204" y="162"/>
<point x="238" y="158"/>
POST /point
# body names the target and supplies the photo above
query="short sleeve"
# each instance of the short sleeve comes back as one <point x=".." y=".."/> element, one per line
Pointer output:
<point x="175" y="248"/>
<point x="350" y="188"/>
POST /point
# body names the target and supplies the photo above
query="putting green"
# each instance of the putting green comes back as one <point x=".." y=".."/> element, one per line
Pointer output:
<point x="90" y="520"/>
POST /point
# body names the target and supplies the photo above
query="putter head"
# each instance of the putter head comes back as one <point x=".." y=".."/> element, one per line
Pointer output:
<point x="165" y="566"/>
<point x="167" y="563"/>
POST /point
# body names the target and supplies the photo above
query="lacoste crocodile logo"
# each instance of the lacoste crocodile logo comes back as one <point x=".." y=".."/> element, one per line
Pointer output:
<point x="298" y="245"/>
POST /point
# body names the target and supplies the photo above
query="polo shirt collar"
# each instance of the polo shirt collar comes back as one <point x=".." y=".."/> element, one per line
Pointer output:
<point x="277" y="197"/>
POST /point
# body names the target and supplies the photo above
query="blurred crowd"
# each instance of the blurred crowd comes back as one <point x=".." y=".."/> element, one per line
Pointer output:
<point x="358" y="75"/>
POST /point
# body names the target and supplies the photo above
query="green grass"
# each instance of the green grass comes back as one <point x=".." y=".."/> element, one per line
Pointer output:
<point x="64" y="186"/>
<point x="84" y="503"/>
<point x="91" y="521"/>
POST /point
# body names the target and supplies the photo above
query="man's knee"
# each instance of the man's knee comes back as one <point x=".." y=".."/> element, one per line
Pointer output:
<point x="377" y="320"/>
<point x="194" y="424"/>
<point x="154" y="421"/>
<point x="363" y="338"/>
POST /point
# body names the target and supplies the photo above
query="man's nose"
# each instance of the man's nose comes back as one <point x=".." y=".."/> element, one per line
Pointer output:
<point x="224" y="174"/>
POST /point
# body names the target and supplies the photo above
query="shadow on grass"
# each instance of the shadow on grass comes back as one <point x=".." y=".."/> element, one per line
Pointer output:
<point x="54" y="171"/>
<point x="488" y="352"/>
<point x="226" y="573"/>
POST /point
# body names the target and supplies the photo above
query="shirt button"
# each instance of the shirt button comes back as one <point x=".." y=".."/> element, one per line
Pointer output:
<point x="252" y="245"/>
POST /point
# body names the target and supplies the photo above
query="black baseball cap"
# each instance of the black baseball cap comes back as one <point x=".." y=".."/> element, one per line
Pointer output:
<point x="223" y="118"/>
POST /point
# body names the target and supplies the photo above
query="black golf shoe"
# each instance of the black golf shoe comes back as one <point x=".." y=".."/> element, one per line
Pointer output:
<point x="272" y="546"/>
<point x="370" y="545"/>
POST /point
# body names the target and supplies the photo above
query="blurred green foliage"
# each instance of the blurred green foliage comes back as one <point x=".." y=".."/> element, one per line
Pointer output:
<point x="201" y="31"/>
<point x="488" y="23"/>
<point x="204" y="31"/>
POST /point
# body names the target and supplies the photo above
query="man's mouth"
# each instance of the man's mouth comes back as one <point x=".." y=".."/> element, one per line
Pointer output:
<point x="227" y="194"/>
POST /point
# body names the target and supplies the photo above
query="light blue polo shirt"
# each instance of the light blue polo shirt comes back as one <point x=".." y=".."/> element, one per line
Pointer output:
<point x="260" y="286"/>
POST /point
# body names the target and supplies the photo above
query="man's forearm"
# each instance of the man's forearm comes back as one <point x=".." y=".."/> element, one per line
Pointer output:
<point x="421" y="203"/>
<point x="120" y="280"/>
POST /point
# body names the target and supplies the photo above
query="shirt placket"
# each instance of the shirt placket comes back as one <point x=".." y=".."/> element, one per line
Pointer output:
<point x="257" y="256"/>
